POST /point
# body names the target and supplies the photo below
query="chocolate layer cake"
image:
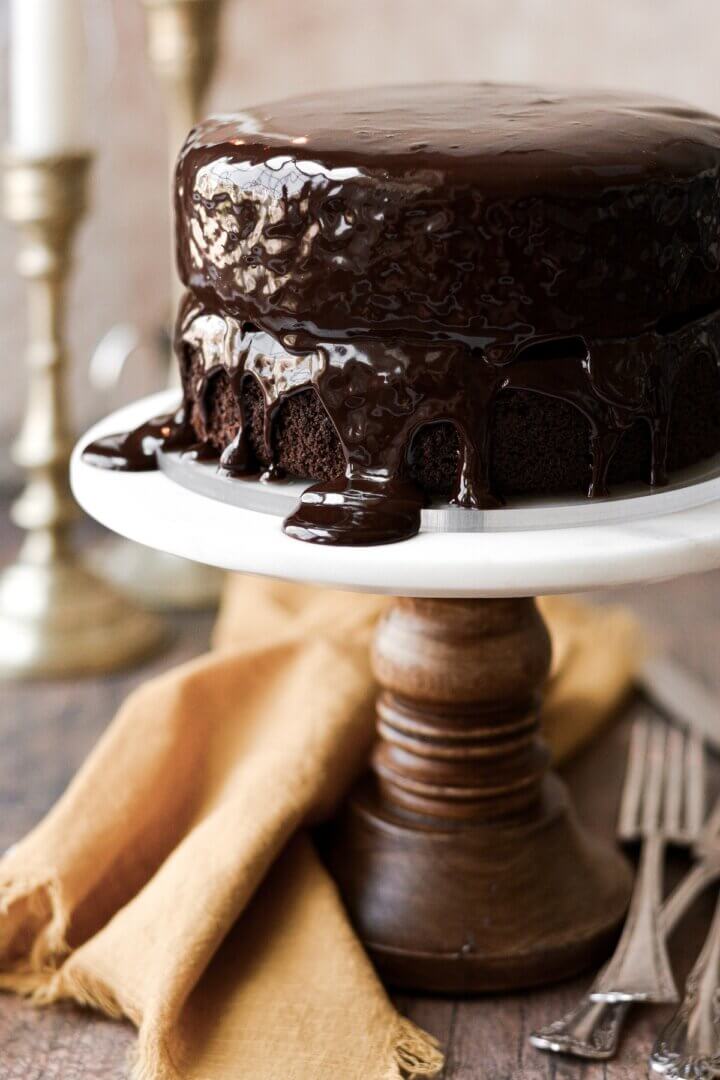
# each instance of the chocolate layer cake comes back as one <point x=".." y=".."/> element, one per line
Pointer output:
<point x="465" y="291"/>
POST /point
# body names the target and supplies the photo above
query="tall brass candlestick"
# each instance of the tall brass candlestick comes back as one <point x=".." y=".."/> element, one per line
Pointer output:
<point x="56" y="618"/>
<point x="182" y="46"/>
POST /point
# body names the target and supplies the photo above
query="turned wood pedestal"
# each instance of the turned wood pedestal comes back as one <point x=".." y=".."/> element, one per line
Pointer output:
<point x="459" y="856"/>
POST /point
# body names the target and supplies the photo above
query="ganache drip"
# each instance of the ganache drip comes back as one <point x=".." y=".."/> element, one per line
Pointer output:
<point x="378" y="395"/>
<point x="136" y="450"/>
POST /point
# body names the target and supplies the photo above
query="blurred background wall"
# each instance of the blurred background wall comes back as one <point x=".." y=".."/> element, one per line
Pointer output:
<point x="276" y="47"/>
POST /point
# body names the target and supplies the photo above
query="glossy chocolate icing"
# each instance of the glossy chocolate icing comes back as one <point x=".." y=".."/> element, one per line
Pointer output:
<point x="411" y="253"/>
<point x="136" y="451"/>
<point x="479" y="213"/>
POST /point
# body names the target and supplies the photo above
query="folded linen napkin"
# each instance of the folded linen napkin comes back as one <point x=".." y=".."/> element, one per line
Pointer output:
<point x="173" y="882"/>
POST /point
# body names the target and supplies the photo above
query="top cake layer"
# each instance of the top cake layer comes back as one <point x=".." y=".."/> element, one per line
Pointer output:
<point x="486" y="214"/>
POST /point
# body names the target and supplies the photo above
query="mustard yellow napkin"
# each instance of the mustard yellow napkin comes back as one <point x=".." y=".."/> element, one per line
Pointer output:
<point x="173" y="884"/>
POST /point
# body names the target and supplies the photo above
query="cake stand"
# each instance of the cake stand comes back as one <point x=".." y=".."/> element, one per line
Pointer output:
<point x="460" y="859"/>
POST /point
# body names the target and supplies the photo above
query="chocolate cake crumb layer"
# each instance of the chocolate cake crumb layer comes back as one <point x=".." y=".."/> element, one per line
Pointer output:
<point x="539" y="444"/>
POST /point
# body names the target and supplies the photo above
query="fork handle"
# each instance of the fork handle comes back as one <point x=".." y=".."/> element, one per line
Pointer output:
<point x="687" y="890"/>
<point x="593" y="1029"/>
<point x="689" y="1045"/>
<point x="640" y="967"/>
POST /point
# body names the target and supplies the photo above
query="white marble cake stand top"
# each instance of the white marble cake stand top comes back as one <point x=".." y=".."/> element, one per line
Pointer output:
<point x="522" y="560"/>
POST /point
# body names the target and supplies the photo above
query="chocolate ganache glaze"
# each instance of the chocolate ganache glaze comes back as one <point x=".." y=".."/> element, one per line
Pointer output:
<point x="136" y="451"/>
<point x="414" y="254"/>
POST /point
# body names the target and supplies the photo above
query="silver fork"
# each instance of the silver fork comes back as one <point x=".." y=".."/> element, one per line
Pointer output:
<point x="689" y="1044"/>
<point x="592" y="1030"/>
<point x="663" y="800"/>
<point x="668" y="769"/>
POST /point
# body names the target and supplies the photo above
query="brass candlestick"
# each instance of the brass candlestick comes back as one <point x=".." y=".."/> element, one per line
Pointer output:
<point x="182" y="46"/>
<point x="56" y="618"/>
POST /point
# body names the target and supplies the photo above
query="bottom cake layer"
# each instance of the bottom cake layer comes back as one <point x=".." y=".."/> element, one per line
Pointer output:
<point x="539" y="444"/>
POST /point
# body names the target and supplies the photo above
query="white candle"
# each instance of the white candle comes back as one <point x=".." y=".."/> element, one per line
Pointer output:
<point x="49" y="111"/>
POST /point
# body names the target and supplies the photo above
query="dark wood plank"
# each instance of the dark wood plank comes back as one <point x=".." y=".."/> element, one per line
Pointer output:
<point x="47" y="728"/>
<point x="62" y="1043"/>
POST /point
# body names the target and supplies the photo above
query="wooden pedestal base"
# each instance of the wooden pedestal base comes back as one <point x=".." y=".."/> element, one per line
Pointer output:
<point x="461" y="862"/>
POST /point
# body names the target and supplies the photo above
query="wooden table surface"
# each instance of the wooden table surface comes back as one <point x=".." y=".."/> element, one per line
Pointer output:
<point x="47" y="728"/>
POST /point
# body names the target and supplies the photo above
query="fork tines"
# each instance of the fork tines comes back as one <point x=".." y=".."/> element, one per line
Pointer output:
<point x="664" y="785"/>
